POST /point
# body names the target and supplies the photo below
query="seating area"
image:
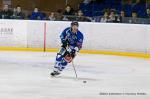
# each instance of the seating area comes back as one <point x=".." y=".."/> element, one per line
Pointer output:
<point x="104" y="11"/>
<point x="98" y="9"/>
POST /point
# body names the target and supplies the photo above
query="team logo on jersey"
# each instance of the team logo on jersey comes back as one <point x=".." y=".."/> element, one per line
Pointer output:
<point x="71" y="40"/>
<point x="67" y="34"/>
<point x="74" y="37"/>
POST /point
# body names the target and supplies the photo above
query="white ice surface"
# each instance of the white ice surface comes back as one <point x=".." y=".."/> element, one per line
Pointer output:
<point x="25" y="75"/>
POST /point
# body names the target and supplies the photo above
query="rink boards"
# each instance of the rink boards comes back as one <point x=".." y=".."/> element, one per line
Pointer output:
<point x="100" y="38"/>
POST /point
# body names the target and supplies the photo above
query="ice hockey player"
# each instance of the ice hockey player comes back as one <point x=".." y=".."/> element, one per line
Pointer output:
<point x="71" y="39"/>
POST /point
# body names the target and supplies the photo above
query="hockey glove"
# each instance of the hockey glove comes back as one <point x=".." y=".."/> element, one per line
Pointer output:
<point x="64" y="43"/>
<point x="76" y="49"/>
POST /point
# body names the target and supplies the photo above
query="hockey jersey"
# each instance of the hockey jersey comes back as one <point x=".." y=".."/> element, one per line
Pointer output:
<point x="74" y="39"/>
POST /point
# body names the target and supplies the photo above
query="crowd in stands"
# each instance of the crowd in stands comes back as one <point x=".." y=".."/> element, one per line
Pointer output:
<point x="66" y="15"/>
<point x="89" y="10"/>
<point x="116" y="11"/>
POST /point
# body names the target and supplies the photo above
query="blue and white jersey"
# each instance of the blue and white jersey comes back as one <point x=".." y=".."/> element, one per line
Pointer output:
<point x="74" y="39"/>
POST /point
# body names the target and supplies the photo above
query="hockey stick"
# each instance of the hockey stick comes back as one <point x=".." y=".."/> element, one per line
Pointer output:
<point x="74" y="70"/>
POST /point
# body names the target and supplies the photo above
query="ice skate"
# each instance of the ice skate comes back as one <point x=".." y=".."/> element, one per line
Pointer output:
<point x="55" y="73"/>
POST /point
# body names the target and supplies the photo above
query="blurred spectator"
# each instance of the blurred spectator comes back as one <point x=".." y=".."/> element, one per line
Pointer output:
<point x="80" y="13"/>
<point x="68" y="10"/>
<point x="80" y="17"/>
<point x="122" y="15"/>
<point x="148" y="12"/>
<point x="5" y="13"/>
<point x="134" y="18"/>
<point x="113" y="17"/>
<point x="68" y="13"/>
<point x="86" y="2"/>
<point x="76" y="12"/>
<point x="59" y="15"/>
<point x="52" y="16"/>
<point x="65" y="18"/>
<point x="104" y="19"/>
<point x="18" y="14"/>
<point x="36" y="15"/>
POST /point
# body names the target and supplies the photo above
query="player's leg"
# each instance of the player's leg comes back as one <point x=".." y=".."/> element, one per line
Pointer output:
<point x="59" y="67"/>
<point x="60" y="63"/>
<point x="62" y="59"/>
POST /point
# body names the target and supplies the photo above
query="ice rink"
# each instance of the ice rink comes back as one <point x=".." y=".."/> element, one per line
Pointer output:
<point x="25" y="75"/>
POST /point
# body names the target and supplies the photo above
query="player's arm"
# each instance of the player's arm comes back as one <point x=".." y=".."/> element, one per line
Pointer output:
<point x="64" y="41"/>
<point x="79" y="44"/>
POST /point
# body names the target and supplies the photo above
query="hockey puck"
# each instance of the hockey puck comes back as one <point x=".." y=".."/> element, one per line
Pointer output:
<point x="84" y="81"/>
